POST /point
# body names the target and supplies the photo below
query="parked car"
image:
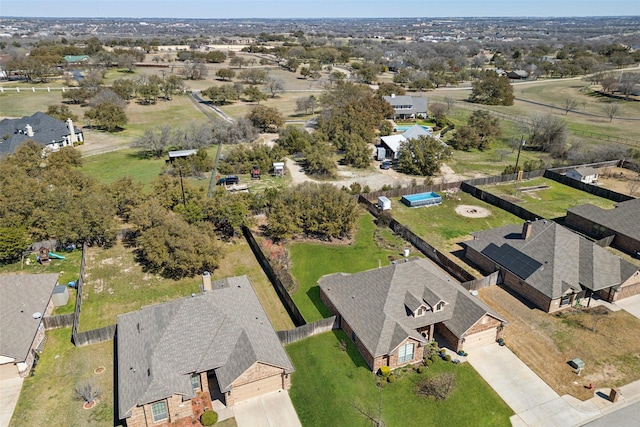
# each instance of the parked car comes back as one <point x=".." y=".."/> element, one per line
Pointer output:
<point x="229" y="180"/>
<point x="386" y="164"/>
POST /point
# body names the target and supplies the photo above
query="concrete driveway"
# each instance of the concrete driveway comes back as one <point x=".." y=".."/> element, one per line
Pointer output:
<point x="631" y="305"/>
<point x="9" y="393"/>
<point x="533" y="401"/>
<point x="271" y="410"/>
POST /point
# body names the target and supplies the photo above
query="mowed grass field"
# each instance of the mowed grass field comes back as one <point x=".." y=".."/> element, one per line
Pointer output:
<point x="551" y="202"/>
<point x="442" y="227"/>
<point x="329" y="382"/>
<point x="310" y="261"/>
<point x="48" y="397"/>
<point x="116" y="284"/>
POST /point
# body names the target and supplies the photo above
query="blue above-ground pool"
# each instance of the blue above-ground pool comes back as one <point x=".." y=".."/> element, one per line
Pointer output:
<point x="422" y="199"/>
<point x="402" y="128"/>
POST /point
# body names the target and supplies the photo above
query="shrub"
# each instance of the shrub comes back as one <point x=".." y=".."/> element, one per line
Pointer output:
<point x="433" y="358"/>
<point x="420" y="369"/>
<point x="438" y="387"/>
<point x="209" y="418"/>
<point x="391" y="378"/>
<point x="434" y="344"/>
<point x="428" y="362"/>
<point x="385" y="371"/>
<point x="447" y="357"/>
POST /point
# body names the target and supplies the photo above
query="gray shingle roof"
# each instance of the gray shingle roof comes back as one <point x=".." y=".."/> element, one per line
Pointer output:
<point x="22" y="295"/>
<point x="225" y="330"/>
<point x="624" y="219"/>
<point x="374" y="303"/>
<point x="553" y="259"/>
<point x="586" y="171"/>
<point x="414" y="104"/>
<point x="45" y="130"/>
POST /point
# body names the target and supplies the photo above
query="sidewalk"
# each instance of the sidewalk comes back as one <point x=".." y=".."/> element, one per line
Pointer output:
<point x="534" y="402"/>
<point x="9" y="394"/>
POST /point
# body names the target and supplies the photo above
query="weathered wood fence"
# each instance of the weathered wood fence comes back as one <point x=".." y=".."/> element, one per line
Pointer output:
<point x="484" y="282"/>
<point x="308" y="330"/>
<point x="94" y="336"/>
<point x="60" y="321"/>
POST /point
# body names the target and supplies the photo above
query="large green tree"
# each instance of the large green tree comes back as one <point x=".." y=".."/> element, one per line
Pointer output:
<point x="108" y="116"/>
<point x="492" y="89"/>
<point x="267" y="119"/>
<point x="422" y="156"/>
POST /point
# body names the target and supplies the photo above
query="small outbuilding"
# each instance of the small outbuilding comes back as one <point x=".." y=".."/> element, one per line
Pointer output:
<point x="181" y="154"/>
<point x="584" y="174"/>
<point x="60" y="296"/>
<point x="384" y="204"/>
<point x="278" y="168"/>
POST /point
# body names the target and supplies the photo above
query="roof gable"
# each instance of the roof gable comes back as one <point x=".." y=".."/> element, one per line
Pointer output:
<point x="46" y="129"/>
<point x="160" y="346"/>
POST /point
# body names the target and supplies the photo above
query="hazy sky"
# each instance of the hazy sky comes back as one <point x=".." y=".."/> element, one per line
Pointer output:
<point x="314" y="8"/>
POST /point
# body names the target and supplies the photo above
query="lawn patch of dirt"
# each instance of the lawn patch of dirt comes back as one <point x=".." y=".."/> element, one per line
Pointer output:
<point x="546" y="342"/>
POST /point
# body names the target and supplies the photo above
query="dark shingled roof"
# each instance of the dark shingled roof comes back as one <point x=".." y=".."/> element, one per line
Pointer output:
<point x="22" y="295"/>
<point x="378" y="304"/>
<point x="553" y="259"/>
<point x="624" y="219"/>
<point x="414" y="104"/>
<point x="45" y="130"/>
<point x="161" y="346"/>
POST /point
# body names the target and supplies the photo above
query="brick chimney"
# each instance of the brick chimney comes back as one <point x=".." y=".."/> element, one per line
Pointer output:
<point x="206" y="281"/>
<point x="29" y="130"/>
<point x="526" y="230"/>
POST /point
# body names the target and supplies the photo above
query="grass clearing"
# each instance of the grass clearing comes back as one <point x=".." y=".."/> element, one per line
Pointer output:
<point x="442" y="227"/>
<point x="116" y="284"/>
<point x="346" y="380"/>
<point x="68" y="269"/>
<point x="310" y="261"/>
<point x="551" y="202"/>
<point x="48" y="397"/>
<point x="546" y="342"/>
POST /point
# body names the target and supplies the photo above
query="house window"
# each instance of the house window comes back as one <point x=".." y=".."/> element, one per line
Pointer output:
<point x="159" y="411"/>
<point x="439" y="306"/>
<point x="420" y="311"/>
<point x="195" y="382"/>
<point x="565" y="300"/>
<point x="406" y="353"/>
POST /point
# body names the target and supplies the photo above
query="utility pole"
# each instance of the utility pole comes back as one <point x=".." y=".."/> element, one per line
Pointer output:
<point x="518" y="156"/>
<point x="184" y="202"/>
<point x="212" y="182"/>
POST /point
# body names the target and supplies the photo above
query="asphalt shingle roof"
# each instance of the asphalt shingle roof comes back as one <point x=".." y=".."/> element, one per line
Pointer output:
<point x="553" y="259"/>
<point x="22" y="295"/>
<point x="377" y="304"/>
<point x="161" y="346"/>
<point x="415" y="104"/>
<point x="624" y="219"/>
<point x="45" y="130"/>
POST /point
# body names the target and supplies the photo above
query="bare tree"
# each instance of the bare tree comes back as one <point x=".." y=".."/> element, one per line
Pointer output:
<point x="569" y="104"/>
<point x="633" y="185"/>
<point x="611" y="110"/>
<point x="88" y="391"/>
<point x="275" y="86"/>
<point x="373" y="415"/>
<point x="502" y="154"/>
<point x="450" y="103"/>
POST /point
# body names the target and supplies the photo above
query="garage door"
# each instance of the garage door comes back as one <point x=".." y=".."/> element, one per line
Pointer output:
<point x="479" y="339"/>
<point x="257" y="388"/>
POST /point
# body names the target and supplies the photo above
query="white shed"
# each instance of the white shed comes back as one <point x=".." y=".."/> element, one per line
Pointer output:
<point x="384" y="204"/>
<point x="584" y="174"/>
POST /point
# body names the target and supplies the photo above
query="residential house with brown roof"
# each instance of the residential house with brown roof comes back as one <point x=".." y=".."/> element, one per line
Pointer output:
<point x="623" y="223"/>
<point x="217" y="345"/>
<point x="391" y="313"/>
<point x="550" y="265"/>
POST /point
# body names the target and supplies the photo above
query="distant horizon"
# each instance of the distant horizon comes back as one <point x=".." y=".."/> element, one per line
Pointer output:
<point x="305" y="9"/>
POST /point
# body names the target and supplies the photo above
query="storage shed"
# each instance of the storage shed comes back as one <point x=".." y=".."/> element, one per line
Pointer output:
<point x="60" y="296"/>
<point x="384" y="204"/>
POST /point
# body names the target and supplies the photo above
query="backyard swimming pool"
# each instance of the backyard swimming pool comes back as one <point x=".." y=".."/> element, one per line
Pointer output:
<point x="422" y="199"/>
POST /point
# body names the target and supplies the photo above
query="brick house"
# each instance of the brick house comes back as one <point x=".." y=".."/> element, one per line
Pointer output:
<point x="391" y="313"/>
<point x="215" y="346"/>
<point x="551" y="266"/>
<point x="25" y="299"/>
<point x="622" y="223"/>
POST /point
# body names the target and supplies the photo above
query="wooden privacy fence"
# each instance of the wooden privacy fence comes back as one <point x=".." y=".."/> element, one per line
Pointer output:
<point x="281" y="290"/>
<point x="501" y="203"/>
<point x="588" y="188"/>
<point x="308" y="330"/>
<point x="94" y="336"/>
<point x="60" y="321"/>
<point x="484" y="282"/>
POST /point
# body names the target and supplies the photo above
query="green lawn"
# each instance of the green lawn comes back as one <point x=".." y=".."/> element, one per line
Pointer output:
<point x="442" y="227"/>
<point x="552" y="202"/>
<point x="109" y="167"/>
<point x="68" y="270"/>
<point x="329" y="381"/>
<point x="48" y="397"/>
<point x="313" y="260"/>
